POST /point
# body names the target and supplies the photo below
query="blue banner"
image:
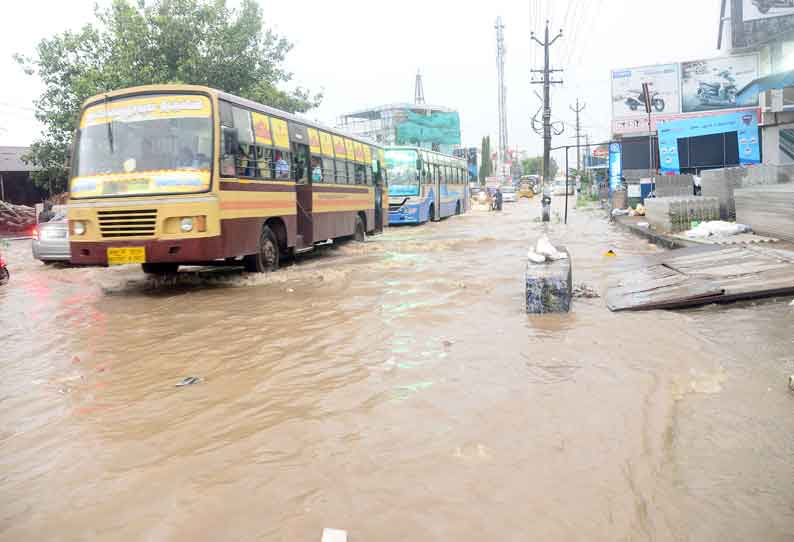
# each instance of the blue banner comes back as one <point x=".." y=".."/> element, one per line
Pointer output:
<point x="744" y="123"/>
<point x="615" y="166"/>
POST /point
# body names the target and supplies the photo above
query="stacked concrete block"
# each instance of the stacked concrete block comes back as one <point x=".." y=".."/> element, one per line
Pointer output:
<point x="769" y="210"/>
<point x="721" y="183"/>
<point x="676" y="214"/>
<point x="674" y="186"/>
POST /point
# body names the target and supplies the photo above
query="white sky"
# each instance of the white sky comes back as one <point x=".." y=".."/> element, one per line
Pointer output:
<point x="365" y="53"/>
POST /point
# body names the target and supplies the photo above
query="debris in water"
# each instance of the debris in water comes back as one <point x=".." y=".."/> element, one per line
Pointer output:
<point x="188" y="380"/>
<point x="791" y="382"/>
<point x="791" y="304"/>
<point x="583" y="290"/>
<point x="446" y="343"/>
<point x="610" y="253"/>
<point x="334" y="535"/>
<point x="290" y="290"/>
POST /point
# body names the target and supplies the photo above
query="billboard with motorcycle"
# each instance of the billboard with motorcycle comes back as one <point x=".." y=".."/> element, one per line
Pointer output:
<point x="765" y="9"/>
<point x="628" y="98"/>
<point x="710" y="85"/>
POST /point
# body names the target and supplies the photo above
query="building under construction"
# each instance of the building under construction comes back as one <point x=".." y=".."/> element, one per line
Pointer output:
<point x="418" y="124"/>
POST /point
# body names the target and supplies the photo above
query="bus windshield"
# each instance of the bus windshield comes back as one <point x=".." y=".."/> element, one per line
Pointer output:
<point x="402" y="172"/>
<point x="144" y="145"/>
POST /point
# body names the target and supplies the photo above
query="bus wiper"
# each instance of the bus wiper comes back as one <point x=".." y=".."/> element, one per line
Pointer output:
<point x="110" y="125"/>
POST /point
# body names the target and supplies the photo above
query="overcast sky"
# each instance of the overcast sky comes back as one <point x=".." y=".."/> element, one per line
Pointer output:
<point x="364" y="53"/>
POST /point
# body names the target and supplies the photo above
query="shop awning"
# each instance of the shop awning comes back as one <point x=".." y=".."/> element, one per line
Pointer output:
<point x="769" y="82"/>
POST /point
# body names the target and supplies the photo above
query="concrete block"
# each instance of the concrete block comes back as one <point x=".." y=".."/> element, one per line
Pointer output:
<point x="722" y="183"/>
<point x="549" y="286"/>
<point x="675" y="214"/>
<point x="769" y="210"/>
<point x="674" y="186"/>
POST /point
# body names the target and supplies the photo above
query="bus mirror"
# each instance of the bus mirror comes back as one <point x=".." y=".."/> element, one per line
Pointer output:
<point x="230" y="141"/>
<point x="418" y="163"/>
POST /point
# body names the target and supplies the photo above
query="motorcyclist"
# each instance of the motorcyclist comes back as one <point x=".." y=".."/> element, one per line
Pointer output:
<point x="498" y="198"/>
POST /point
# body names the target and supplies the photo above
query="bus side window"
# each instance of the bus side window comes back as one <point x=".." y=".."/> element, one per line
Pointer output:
<point x="341" y="171"/>
<point x="264" y="162"/>
<point x="245" y="155"/>
<point x="359" y="173"/>
<point x="329" y="174"/>
<point x="316" y="169"/>
<point x="280" y="168"/>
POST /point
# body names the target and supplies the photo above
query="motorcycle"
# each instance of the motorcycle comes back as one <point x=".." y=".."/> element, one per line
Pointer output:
<point x="765" y="5"/>
<point x="635" y="102"/>
<point x="5" y="274"/>
<point x="718" y="92"/>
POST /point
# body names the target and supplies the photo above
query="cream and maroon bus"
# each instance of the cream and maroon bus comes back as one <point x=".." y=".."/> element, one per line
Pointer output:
<point x="170" y="175"/>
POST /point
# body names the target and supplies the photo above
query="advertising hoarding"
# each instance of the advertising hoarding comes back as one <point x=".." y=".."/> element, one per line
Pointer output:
<point x="744" y="123"/>
<point x="753" y="10"/>
<point x="628" y="97"/>
<point x="615" y="166"/>
<point x="712" y="84"/>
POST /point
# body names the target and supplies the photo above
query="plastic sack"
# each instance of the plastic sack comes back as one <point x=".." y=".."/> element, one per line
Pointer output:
<point x="718" y="228"/>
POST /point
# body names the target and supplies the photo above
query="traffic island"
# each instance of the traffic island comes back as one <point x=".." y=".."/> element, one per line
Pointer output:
<point x="548" y="279"/>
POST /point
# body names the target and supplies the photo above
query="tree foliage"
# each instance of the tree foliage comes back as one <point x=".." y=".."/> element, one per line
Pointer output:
<point x="534" y="166"/>
<point x="135" y="42"/>
<point x="486" y="166"/>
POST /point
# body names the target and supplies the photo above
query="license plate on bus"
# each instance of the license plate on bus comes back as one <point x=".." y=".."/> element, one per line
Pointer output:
<point x="126" y="255"/>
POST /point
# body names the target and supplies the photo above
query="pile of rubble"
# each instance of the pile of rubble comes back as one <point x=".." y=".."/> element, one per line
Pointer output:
<point x="16" y="218"/>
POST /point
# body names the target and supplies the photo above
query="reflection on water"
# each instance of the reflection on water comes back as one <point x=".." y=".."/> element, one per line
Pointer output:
<point x="392" y="389"/>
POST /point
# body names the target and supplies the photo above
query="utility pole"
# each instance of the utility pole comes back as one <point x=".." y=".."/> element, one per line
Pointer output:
<point x="578" y="110"/>
<point x="546" y="81"/>
<point x="502" y="151"/>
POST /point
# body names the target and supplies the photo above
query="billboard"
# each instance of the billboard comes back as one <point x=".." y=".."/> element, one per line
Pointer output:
<point x="753" y="10"/>
<point x="744" y="123"/>
<point x="708" y="85"/>
<point x="628" y="97"/>
<point x="439" y="128"/>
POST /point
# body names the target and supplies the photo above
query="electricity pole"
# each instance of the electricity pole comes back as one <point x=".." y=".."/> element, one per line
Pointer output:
<point x="546" y="81"/>
<point x="502" y="150"/>
<point x="578" y="110"/>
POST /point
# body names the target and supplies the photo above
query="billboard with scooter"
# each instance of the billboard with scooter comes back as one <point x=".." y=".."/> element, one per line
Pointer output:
<point x="765" y="9"/>
<point x="710" y="85"/>
<point x="628" y="98"/>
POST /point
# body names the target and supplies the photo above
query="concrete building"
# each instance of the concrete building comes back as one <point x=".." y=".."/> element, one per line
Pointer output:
<point x="766" y="27"/>
<point x="401" y="124"/>
<point x="15" y="184"/>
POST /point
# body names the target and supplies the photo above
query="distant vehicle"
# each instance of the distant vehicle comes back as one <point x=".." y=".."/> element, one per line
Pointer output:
<point x="525" y="189"/>
<point x="424" y="185"/>
<point x="559" y="188"/>
<point x="509" y="194"/>
<point x="51" y="240"/>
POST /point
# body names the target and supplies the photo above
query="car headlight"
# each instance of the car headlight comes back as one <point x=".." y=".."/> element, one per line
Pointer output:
<point x="186" y="224"/>
<point x="78" y="227"/>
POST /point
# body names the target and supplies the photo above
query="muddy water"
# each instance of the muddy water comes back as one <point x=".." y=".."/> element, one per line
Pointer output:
<point x="394" y="389"/>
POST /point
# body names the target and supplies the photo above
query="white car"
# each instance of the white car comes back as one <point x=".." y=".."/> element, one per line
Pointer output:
<point x="559" y="188"/>
<point x="508" y="194"/>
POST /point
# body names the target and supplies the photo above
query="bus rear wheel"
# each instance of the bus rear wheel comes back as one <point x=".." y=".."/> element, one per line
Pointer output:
<point x="266" y="258"/>
<point x="160" y="268"/>
<point x="360" y="234"/>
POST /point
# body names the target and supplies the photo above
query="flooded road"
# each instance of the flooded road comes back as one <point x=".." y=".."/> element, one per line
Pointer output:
<point x="394" y="389"/>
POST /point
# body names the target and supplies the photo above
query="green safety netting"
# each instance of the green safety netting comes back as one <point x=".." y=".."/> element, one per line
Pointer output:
<point x="440" y="128"/>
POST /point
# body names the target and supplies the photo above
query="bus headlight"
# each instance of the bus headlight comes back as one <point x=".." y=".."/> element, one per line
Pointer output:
<point x="78" y="227"/>
<point x="186" y="224"/>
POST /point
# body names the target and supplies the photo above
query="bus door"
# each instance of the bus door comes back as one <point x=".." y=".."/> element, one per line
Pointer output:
<point x="378" y="179"/>
<point x="437" y="191"/>
<point x="303" y="192"/>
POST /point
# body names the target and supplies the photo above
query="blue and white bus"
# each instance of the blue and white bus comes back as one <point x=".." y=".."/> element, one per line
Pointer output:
<point x="425" y="185"/>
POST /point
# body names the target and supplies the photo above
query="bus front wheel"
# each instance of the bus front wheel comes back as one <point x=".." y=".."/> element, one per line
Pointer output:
<point x="266" y="259"/>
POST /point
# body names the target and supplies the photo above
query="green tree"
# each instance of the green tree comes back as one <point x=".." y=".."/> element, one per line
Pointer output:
<point x="135" y="42"/>
<point x="486" y="165"/>
<point x="534" y="166"/>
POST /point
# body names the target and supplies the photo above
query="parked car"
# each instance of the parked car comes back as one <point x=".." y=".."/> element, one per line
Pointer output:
<point x="508" y="194"/>
<point x="559" y="188"/>
<point x="51" y="240"/>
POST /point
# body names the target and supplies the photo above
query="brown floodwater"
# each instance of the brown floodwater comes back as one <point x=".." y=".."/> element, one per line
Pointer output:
<point x="395" y="390"/>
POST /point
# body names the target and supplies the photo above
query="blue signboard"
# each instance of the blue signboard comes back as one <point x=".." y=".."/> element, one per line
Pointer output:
<point x="744" y="123"/>
<point x="615" y="166"/>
